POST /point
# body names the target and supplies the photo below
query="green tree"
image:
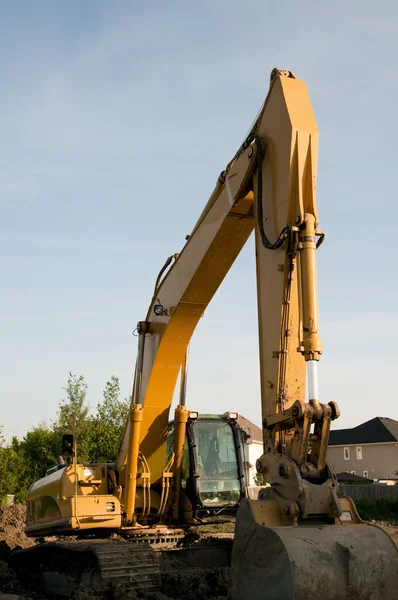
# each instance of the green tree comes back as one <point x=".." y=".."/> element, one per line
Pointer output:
<point x="40" y="448"/>
<point x="74" y="408"/>
<point x="8" y="473"/>
<point x="259" y="479"/>
<point x="11" y="469"/>
<point x="74" y="405"/>
<point x="32" y="456"/>
<point x="108" y="423"/>
<point x="3" y="468"/>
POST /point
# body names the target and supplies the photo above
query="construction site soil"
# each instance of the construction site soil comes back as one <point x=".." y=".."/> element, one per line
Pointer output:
<point x="179" y="582"/>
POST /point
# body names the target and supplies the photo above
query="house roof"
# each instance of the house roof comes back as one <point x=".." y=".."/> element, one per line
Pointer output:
<point x="377" y="430"/>
<point x="253" y="430"/>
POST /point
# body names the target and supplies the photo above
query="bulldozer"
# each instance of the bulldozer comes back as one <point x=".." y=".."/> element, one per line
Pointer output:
<point x="296" y="538"/>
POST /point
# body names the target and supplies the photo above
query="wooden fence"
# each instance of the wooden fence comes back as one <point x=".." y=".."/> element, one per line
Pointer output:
<point x="369" y="492"/>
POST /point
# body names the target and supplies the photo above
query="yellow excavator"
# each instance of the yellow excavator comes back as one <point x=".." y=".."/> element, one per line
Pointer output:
<point x="297" y="539"/>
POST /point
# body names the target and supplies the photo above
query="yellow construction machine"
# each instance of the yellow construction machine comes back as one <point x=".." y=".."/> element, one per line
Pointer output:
<point x="297" y="539"/>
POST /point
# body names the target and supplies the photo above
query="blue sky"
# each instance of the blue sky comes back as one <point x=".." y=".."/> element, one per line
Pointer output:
<point x="115" y="121"/>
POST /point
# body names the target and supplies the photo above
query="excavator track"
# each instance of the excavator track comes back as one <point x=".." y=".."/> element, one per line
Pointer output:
<point x="59" y="568"/>
<point x="136" y="564"/>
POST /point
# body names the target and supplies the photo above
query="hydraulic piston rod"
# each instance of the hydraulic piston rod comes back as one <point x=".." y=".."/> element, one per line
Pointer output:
<point x="311" y="346"/>
<point x="184" y="377"/>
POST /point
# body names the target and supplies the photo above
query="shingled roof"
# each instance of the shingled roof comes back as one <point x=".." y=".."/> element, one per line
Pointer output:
<point x="252" y="429"/>
<point x="377" y="430"/>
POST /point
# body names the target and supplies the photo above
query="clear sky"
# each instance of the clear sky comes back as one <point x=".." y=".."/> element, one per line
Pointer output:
<point x="116" y="119"/>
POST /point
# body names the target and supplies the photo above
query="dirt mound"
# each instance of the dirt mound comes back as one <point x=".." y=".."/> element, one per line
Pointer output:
<point x="12" y="526"/>
<point x="12" y="535"/>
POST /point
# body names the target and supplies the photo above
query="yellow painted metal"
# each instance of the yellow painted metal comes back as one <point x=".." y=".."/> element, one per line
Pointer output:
<point x="287" y="127"/>
<point x="135" y="419"/>
<point x="312" y="347"/>
<point x="181" y="415"/>
<point x="52" y="501"/>
<point x="289" y="132"/>
<point x="185" y="294"/>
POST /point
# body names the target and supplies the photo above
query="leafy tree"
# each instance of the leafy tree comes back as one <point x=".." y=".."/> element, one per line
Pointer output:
<point x="108" y="424"/>
<point x="32" y="456"/>
<point x="11" y="468"/>
<point x="73" y="409"/>
<point x="74" y="405"/>
<point x="3" y="468"/>
<point x="40" y="449"/>
<point x="259" y="479"/>
<point x="7" y="474"/>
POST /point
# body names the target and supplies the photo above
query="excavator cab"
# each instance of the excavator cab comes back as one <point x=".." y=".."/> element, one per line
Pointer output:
<point x="212" y="477"/>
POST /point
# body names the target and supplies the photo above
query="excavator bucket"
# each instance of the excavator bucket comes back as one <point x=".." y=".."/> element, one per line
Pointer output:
<point x="329" y="562"/>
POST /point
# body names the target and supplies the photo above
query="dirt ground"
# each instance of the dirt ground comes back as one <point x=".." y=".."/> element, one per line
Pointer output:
<point x="12" y="525"/>
<point x="177" y="584"/>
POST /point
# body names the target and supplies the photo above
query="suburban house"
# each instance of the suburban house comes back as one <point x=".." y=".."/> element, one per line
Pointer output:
<point x="369" y="450"/>
<point x="253" y="448"/>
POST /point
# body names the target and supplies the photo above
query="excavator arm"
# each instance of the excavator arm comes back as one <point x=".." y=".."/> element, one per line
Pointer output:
<point x="271" y="182"/>
<point x="180" y="300"/>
